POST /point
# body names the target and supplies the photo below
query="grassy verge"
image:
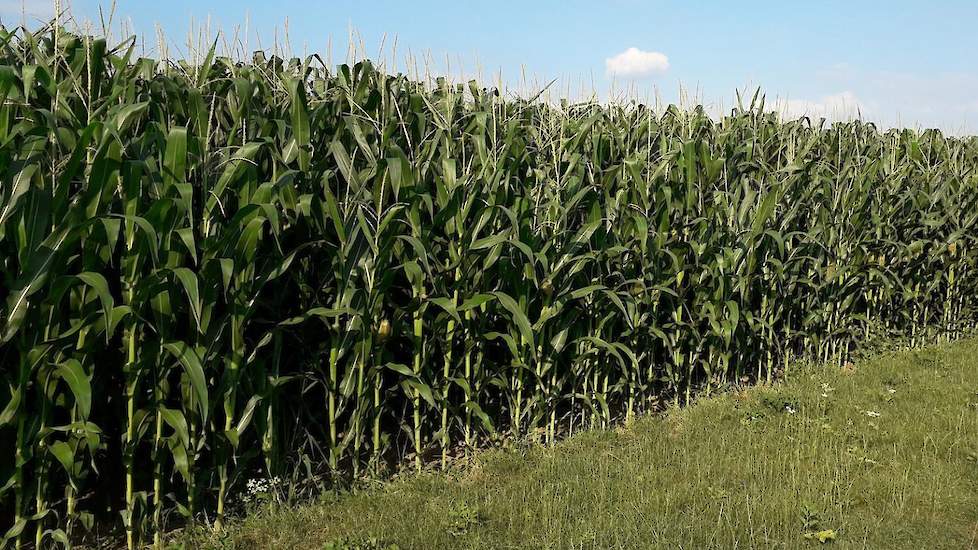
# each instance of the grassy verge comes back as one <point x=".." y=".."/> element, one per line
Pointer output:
<point x="882" y="455"/>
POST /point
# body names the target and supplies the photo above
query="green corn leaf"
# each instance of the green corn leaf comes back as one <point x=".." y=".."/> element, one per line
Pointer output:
<point x="188" y="280"/>
<point x="191" y="363"/>
<point x="31" y="281"/>
<point x="300" y="122"/>
<point x="204" y="70"/>
<point x="101" y="286"/>
<point x="423" y="390"/>
<point x="65" y="456"/>
<point x="401" y="369"/>
<point x="20" y="184"/>
<point x="448" y="305"/>
<point x="178" y="423"/>
<point x="518" y="316"/>
<point x="175" y="157"/>
<point x="71" y="371"/>
<point x="10" y="410"/>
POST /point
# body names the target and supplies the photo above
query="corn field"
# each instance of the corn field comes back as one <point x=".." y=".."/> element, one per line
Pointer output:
<point x="210" y="269"/>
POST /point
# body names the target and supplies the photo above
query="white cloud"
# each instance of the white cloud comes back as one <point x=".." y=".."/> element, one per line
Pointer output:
<point x="840" y="106"/>
<point x="944" y="100"/>
<point x="635" y="63"/>
<point x="918" y="98"/>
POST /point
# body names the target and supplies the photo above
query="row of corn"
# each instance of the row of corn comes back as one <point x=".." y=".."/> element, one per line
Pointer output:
<point x="212" y="269"/>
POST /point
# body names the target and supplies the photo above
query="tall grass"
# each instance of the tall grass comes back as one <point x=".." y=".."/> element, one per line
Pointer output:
<point x="211" y="269"/>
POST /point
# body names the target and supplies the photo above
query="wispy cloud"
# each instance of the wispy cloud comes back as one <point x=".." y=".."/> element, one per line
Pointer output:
<point x="931" y="99"/>
<point x="911" y="97"/>
<point x="840" y="106"/>
<point x="636" y="63"/>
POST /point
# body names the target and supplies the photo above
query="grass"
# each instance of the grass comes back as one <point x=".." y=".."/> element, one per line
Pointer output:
<point x="879" y="455"/>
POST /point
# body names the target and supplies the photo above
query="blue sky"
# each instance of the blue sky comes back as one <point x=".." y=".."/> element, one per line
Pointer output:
<point x="899" y="62"/>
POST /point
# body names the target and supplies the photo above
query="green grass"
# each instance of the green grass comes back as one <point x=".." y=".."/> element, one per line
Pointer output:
<point x="738" y="470"/>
